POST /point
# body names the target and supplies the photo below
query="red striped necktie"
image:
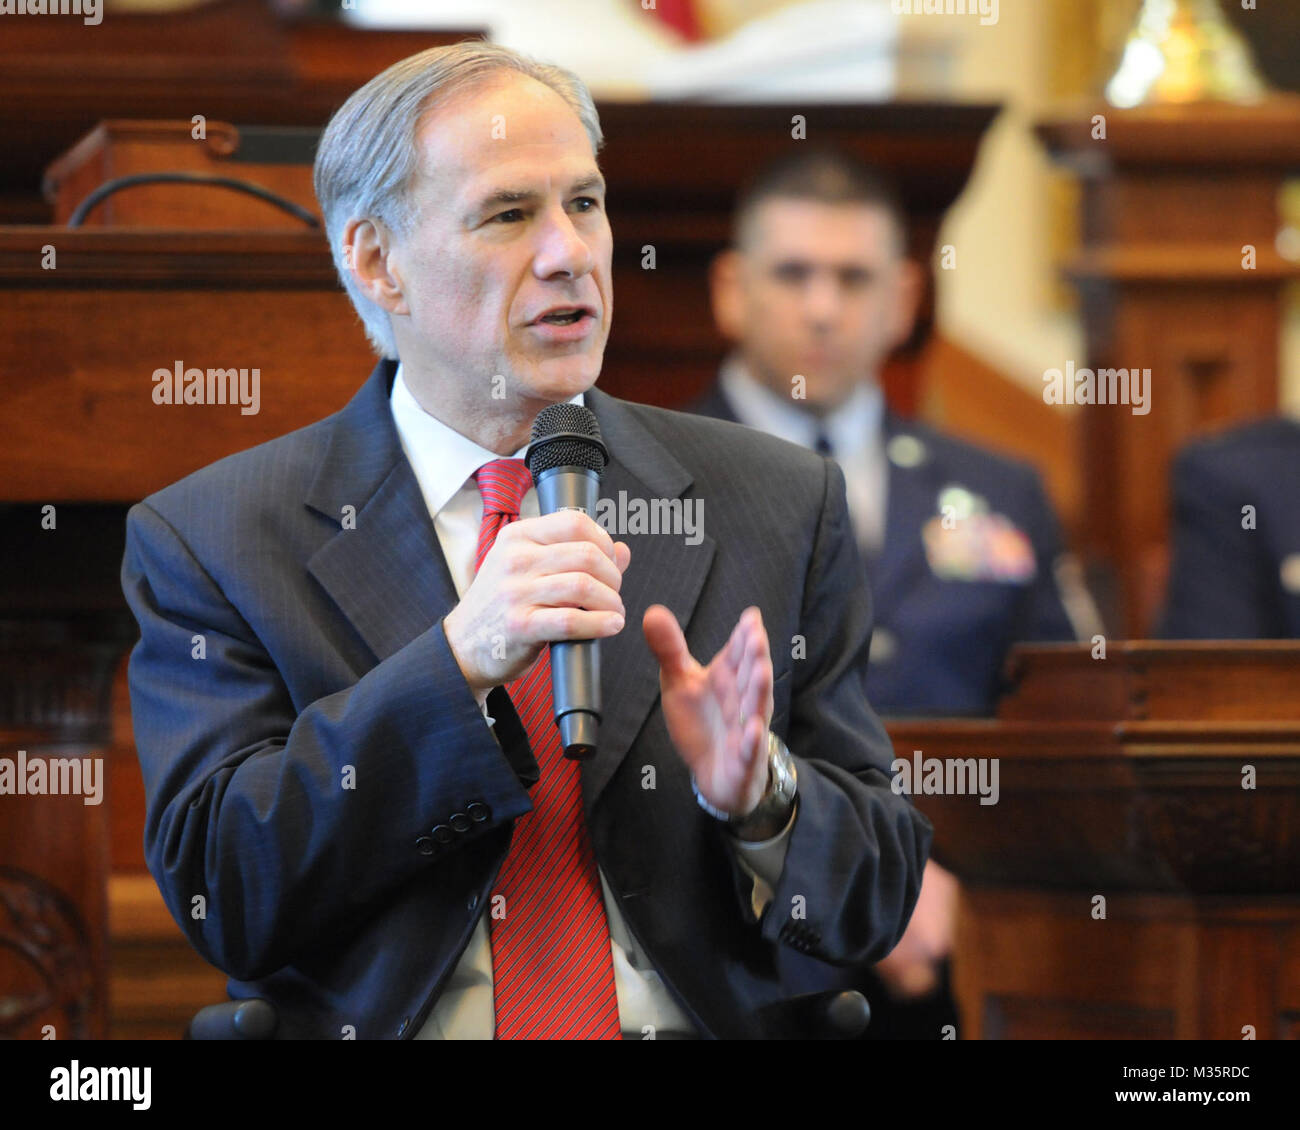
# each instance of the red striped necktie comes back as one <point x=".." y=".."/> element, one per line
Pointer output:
<point x="552" y="966"/>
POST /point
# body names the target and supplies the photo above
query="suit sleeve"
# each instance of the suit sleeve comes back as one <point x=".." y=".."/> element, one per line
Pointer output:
<point x="1218" y="588"/>
<point x="269" y="826"/>
<point x="853" y="864"/>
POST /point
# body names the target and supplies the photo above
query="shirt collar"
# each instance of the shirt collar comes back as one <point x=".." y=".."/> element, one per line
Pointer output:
<point x="443" y="460"/>
<point x="851" y="427"/>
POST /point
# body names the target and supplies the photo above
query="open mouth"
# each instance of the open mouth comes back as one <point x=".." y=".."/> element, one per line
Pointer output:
<point x="564" y="317"/>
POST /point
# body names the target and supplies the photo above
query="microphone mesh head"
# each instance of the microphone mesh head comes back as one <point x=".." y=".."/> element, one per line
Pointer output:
<point x="566" y="435"/>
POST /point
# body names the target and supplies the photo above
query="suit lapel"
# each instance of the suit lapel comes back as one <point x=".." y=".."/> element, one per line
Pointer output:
<point x="663" y="570"/>
<point x="383" y="568"/>
<point x="389" y="578"/>
<point x="909" y="491"/>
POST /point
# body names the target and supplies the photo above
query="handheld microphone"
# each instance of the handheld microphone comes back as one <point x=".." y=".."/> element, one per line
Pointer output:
<point x="566" y="458"/>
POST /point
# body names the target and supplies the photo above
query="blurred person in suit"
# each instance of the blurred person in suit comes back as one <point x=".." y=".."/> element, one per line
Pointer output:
<point x="961" y="543"/>
<point x="1235" y="563"/>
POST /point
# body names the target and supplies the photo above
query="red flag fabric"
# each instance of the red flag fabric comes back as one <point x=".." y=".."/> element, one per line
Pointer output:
<point x="680" y="15"/>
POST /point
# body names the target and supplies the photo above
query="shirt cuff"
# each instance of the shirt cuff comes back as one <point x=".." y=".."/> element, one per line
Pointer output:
<point x="763" y="861"/>
<point x="481" y="698"/>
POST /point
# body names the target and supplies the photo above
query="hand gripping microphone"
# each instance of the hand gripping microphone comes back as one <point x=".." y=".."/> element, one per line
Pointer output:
<point x="566" y="457"/>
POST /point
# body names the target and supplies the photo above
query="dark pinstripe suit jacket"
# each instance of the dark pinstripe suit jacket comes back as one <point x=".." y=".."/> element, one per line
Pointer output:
<point x="322" y="664"/>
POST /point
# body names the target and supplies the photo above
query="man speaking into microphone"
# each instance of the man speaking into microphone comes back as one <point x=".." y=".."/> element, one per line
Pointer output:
<point x="345" y="691"/>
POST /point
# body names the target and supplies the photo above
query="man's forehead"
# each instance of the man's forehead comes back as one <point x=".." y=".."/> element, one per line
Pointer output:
<point x="812" y="229"/>
<point x="484" y="132"/>
<point x="520" y="177"/>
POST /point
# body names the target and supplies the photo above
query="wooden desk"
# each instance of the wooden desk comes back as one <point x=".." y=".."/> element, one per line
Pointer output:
<point x="1121" y="780"/>
<point x="232" y="60"/>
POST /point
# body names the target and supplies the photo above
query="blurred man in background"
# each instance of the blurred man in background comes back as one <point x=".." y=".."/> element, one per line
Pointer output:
<point x="815" y="292"/>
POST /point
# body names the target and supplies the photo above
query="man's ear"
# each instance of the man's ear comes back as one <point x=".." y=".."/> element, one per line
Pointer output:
<point x="907" y="300"/>
<point x="727" y="293"/>
<point x="369" y="252"/>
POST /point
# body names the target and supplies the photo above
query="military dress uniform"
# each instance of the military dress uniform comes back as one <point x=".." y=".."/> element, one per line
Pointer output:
<point x="964" y="553"/>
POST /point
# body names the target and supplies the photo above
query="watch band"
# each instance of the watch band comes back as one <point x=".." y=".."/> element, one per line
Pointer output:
<point x="772" y="812"/>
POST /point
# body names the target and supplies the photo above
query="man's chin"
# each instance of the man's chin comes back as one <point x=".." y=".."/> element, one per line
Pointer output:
<point x="562" y="378"/>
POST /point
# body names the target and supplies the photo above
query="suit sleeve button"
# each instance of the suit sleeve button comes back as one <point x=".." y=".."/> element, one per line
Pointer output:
<point x="460" y="822"/>
<point x="425" y="846"/>
<point x="478" y="812"/>
<point x="443" y="834"/>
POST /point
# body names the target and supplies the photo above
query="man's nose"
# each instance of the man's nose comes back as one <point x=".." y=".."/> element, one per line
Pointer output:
<point x="822" y="299"/>
<point x="561" y="248"/>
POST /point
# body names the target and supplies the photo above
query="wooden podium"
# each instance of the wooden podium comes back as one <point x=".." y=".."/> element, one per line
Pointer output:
<point x="1139" y="874"/>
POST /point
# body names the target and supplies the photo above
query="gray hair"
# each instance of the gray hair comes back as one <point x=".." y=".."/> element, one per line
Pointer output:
<point x="367" y="159"/>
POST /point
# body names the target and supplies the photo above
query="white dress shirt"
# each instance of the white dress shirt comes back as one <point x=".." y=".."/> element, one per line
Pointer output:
<point x="444" y="462"/>
<point x="854" y="431"/>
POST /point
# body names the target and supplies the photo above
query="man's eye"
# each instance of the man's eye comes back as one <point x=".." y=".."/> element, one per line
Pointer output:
<point x="590" y="200"/>
<point x="791" y="273"/>
<point x="511" y="212"/>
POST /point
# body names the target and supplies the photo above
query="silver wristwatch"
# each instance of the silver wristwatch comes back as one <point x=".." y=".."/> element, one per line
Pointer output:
<point x="772" y="813"/>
